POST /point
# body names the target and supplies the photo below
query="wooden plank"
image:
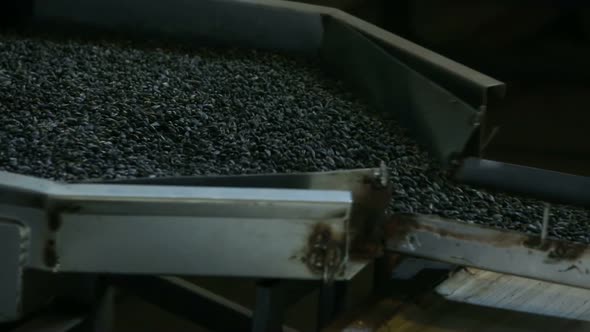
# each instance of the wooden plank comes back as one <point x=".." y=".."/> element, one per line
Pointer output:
<point x="435" y="314"/>
<point x="503" y="291"/>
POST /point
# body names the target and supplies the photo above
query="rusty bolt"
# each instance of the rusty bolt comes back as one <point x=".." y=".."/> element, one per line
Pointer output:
<point x="333" y="257"/>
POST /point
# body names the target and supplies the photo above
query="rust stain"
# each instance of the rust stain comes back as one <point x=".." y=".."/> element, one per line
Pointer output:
<point x="54" y="220"/>
<point x="556" y="250"/>
<point x="325" y="249"/>
<point x="54" y="215"/>
<point x="322" y="232"/>
<point x="399" y="226"/>
<point x="571" y="268"/>
<point x="535" y="242"/>
<point x="371" y="195"/>
<point x="566" y="251"/>
<point x="370" y="201"/>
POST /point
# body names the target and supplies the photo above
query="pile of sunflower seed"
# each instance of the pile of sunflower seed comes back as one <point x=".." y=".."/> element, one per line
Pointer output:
<point x="73" y="110"/>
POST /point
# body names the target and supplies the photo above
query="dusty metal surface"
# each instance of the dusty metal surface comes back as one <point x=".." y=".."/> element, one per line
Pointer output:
<point x="495" y="250"/>
<point x="508" y="292"/>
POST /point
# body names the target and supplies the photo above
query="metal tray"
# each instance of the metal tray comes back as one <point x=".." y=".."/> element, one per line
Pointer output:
<point x="442" y="102"/>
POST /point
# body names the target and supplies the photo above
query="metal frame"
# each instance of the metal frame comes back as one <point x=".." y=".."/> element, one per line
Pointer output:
<point x="316" y="229"/>
<point x="191" y="230"/>
<point x="490" y="249"/>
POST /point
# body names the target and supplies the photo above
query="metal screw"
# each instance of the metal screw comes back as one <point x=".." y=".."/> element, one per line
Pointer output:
<point x="545" y="225"/>
<point x="382" y="175"/>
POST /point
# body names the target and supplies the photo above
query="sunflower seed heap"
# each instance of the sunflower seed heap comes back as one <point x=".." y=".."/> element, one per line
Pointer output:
<point x="74" y="110"/>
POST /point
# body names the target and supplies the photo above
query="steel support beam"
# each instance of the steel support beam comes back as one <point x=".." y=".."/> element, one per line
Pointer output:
<point x="321" y="226"/>
<point x="135" y="229"/>
<point x="302" y="232"/>
<point x="490" y="249"/>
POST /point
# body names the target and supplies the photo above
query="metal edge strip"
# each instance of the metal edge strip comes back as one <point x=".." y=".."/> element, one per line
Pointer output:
<point x="489" y="249"/>
<point x="474" y="87"/>
<point x="236" y="23"/>
<point x="438" y="119"/>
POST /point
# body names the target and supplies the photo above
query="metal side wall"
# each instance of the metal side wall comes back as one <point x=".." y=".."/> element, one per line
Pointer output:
<point x="236" y="23"/>
<point x="475" y="88"/>
<point x="436" y="117"/>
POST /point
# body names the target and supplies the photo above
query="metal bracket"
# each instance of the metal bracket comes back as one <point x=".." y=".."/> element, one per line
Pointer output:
<point x="490" y="249"/>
